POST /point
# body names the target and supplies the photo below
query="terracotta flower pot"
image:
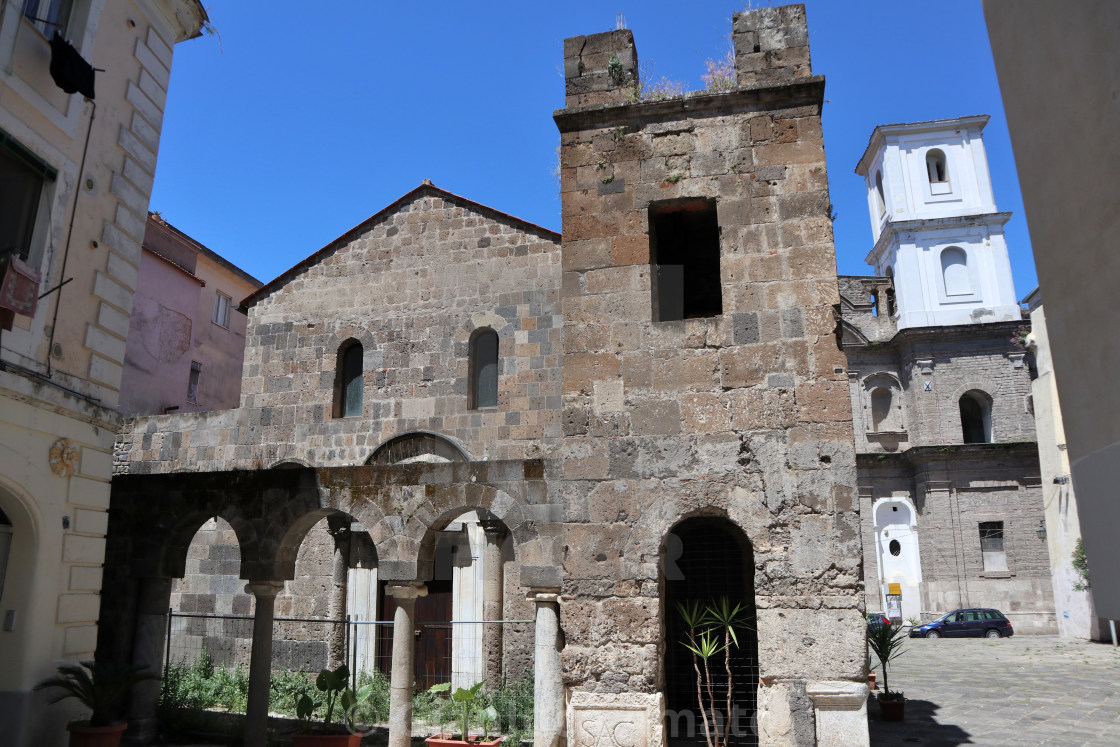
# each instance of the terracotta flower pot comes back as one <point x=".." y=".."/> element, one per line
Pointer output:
<point x="445" y="740"/>
<point x="871" y="681"/>
<point x="326" y="739"/>
<point x="84" y="735"/>
<point x="893" y="709"/>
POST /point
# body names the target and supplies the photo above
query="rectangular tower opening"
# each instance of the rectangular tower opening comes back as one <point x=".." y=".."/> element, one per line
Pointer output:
<point x="684" y="261"/>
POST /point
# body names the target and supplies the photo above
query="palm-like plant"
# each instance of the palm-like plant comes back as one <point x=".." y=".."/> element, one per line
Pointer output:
<point x="102" y="688"/>
<point x="886" y="641"/>
<point x="710" y="632"/>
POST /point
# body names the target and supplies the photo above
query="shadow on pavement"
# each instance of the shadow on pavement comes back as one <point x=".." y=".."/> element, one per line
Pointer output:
<point x="920" y="727"/>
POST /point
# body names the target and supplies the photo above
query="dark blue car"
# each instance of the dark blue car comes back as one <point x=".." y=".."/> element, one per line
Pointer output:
<point x="970" y="623"/>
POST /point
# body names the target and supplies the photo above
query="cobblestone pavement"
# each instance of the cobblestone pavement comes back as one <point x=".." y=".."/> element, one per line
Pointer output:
<point x="1025" y="690"/>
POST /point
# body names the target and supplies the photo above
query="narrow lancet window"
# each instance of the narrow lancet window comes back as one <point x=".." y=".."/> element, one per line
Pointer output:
<point x="484" y="369"/>
<point x="348" y="391"/>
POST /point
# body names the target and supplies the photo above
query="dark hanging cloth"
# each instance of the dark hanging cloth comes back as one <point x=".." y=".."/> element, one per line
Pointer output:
<point x="70" y="72"/>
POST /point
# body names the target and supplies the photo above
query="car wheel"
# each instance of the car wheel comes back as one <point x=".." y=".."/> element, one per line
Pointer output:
<point x="992" y="634"/>
<point x="933" y="634"/>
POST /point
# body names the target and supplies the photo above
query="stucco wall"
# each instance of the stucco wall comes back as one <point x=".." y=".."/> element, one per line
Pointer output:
<point x="63" y="365"/>
<point x="158" y="353"/>
<point x="1067" y="86"/>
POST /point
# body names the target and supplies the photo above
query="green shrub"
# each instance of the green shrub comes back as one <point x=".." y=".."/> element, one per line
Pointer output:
<point x="287" y="686"/>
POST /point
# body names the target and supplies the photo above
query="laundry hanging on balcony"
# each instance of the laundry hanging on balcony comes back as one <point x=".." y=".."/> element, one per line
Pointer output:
<point x="68" y="69"/>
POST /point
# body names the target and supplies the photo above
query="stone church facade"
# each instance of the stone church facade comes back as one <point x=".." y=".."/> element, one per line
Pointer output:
<point x="949" y="479"/>
<point x="652" y="410"/>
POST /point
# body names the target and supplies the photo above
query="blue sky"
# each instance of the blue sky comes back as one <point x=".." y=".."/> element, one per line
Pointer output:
<point x="296" y="126"/>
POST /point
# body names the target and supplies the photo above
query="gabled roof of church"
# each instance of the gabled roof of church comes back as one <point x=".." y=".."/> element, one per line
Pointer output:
<point x="426" y="187"/>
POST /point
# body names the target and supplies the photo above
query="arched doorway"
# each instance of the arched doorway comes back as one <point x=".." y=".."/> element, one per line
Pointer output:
<point x="707" y="558"/>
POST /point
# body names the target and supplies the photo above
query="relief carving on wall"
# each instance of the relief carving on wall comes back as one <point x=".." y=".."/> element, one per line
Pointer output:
<point x="615" y="720"/>
<point x="63" y="457"/>
<point x="617" y="726"/>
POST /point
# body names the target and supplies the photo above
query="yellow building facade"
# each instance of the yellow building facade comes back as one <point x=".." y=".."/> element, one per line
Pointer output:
<point x="75" y="179"/>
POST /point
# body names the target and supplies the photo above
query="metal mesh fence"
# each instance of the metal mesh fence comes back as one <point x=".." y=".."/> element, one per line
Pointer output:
<point x="207" y="667"/>
<point x="463" y="654"/>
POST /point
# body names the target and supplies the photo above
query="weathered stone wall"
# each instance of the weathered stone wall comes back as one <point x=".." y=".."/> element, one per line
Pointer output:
<point x="411" y="284"/>
<point x="744" y="415"/>
<point x="865" y="304"/>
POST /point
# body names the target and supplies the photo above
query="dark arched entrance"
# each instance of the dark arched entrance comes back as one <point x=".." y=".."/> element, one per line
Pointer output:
<point x="706" y="558"/>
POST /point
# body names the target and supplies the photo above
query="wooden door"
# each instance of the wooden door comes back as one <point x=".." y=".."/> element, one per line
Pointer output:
<point x="431" y="658"/>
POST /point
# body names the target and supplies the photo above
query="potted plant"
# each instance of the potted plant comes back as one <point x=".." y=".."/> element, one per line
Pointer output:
<point x="334" y="686"/>
<point x="710" y="632"/>
<point x="103" y="689"/>
<point x="885" y="641"/>
<point x="468" y="700"/>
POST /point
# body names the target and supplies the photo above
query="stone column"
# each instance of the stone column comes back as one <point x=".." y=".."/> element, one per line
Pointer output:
<point x="492" y="632"/>
<point x="404" y="643"/>
<point x="260" y="661"/>
<point x="841" y="713"/>
<point x="148" y="649"/>
<point x="339" y="528"/>
<point x="548" y="686"/>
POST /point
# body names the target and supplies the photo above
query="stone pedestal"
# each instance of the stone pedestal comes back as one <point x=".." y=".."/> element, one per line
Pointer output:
<point x="148" y="647"/>
<point x="841" y="713"/>
<point x="260" y="661"/>
<point x="548" y="686"/>
<point x="492" y="633"/>
<point x="401" y="680"/>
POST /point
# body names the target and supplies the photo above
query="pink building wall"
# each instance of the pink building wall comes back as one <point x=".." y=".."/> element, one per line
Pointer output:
<point x="172" y="327"/>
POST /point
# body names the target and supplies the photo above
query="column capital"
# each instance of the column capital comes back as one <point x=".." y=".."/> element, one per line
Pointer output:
<point x="407" y="590"/>
<point x="264" y="588"/>
<point x="838" y="696"/>
<point x="494" y="528"/>
<point x="543" y="594"/>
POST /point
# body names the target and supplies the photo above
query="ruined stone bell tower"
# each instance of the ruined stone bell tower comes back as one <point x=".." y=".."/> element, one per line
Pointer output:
<point x="707" y="446"/>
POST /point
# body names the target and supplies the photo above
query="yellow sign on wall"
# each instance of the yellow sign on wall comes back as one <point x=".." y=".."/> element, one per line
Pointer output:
<point x="894" y="589"/>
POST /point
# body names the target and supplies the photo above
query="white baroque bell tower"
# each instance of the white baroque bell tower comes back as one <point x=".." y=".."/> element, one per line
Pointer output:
<point x="937" y="231"/>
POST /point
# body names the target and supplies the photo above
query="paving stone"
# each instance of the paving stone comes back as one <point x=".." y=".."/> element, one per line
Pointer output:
<point x="1039" y="690"/>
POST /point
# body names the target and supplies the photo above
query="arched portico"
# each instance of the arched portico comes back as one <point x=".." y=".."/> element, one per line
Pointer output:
<point x="155" y="517"/>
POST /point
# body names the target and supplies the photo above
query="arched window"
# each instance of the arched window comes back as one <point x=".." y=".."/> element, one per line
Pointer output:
<point x="976" y="418"/>
<point x="882" y="201"/>
<point x="936" y="167"/>
<point x="882" y="404"/>
<point x="484" y="369"/>
<point x="348" y="380"/>
<point x="954" y="271"/>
